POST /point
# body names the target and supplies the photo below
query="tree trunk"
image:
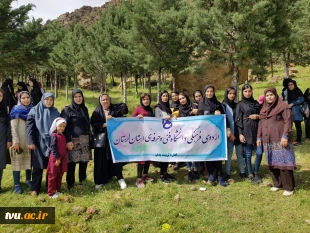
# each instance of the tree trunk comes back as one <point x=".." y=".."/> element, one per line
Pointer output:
<point x="125" y="89"/>
<point x="136" y="84"/>
<point x="173" y="83"/>
<point x="51" y="79"/>
<point x="102" y="83"/>
<point x="235" y="81"/>
<point x="158" y="83"/>
<point x="67" y="86"/>
<point x="286" y="64"/>
<point x="91" y="83"/>
<point x="75" y="81"/>
<point x="149" y="82"/>
<point x="105" y="82"/>
<point x="122" y="84"/>
<point x="271" y="66"/>
<point x="55" y="85"/>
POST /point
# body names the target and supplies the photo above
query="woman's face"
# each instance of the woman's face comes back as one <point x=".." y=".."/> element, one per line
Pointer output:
<point x="146" y="101"/>
<point x="247" y="93"/>
<point x="182" y="99"/>
<point x="165" y="97"/>
<point x="105" y="102"/>
<point x="1" y="96"/>
<point x="19" y="87"/>
<point x="175" y="97"/>
<point x="270" y="97"/>
<point x="231" y="95"/>
<point x="209" y="92"/>
<point x="30" y="83"/>
<point x="78" y="98"/>
<point x="25" y="99"/>
<point x="291" y="86"/>
<point x="198" y="96"/>
<point x="48" y="102"/>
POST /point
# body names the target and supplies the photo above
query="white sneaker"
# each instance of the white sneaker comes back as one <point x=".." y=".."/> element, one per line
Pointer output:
<point x="98" y="186"/>
<point x="54" y="196"/>
<point x="274" y="189"/>
<point x="288" y="193"/>
<point x="122" y="183"/>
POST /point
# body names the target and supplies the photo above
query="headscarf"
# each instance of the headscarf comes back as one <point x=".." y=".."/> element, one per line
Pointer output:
<point x="147" y="108"/>
<point x="251" y="102"/>
<point x="194" y="93"/>
<point x="209" y="105"/>
<point x="44" y="118"/>
<point x="55" y="123"/>
<point x="3" y="107"/>
<point x="8" y="83"/>
<point x="231" y="103"/>
<point x="115" y="110"/>
<point x="162" y="105"/>
<point x="175" y="104"/>
<point x="186" y="109"/>
<point x="35" y="88"/>
<point x="294" y="94"/>
<point x="23" y="85"/>
<point x="21" y="111"/>
<point x="269" y="110"/>
<point x="81" y="109"/>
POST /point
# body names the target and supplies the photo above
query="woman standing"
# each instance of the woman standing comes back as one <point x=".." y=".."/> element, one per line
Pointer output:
<point x="5" y="134"/>
<point x="275" y="114"/>
<point x="187" y="109"/>
<point x="247" y="115"/>
<point x="38" y="124"/>
<point x="77" y="136"/>
<point x="21" y="155"/>
<point x="197" y="97"/>
<point x="209" y="105"/>
<point x="307" y="119"/>
<point x="144" y="110"/>
<point x="36" y="93"/>
<point x="104" y="168"/>
<point x="295" y="98"/>
<point x="230" y="105"/>
<point x="162" y="109"/>
<point x="9" y="94"/>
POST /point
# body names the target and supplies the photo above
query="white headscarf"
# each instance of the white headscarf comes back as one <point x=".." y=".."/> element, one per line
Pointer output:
<point x="55" y="123"/>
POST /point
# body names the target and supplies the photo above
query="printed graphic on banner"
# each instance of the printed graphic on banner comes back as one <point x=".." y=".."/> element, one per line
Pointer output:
<point x="199" y="138"/>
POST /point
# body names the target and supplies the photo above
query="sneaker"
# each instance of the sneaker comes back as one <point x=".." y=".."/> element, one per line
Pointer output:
<point x="169" y="177"/>
<point x="297" y="144"/>
<point x="288" y="193"/>
<point x="34" y="193"/>
<point x="242" y="175"/>
<point x="221" y="181"/>
<point x="140" y="183"/>
<point x="211" y="178"/>
<point x="29" y="183"/>
<point x="147" y="179"/>
<point x="122" y="183"/>
<point x="18" y="189"/>
<point x="98" y="186"/>
<point x="274" y="189"/>
<point x="256" y="179"/>
<point x="164" y="180"/>
<point x="54" y="196"/>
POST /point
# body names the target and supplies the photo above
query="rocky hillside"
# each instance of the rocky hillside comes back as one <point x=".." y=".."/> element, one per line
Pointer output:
<point x="86" y="15"/>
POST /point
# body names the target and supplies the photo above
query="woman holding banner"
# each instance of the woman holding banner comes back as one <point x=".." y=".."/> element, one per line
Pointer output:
<point x="104" y="168"/>
<point x="247" y="115"/>
<point x="162" y="109"/>
<point x="144" y="110"/>
<point x="209" y="105"/>
<point x="278" y="147"/>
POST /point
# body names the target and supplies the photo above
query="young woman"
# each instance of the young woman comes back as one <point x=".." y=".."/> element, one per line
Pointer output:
<point x="5" y="134"/>
<point x="175" y="103"/>
<point x="187" y="109"/>
<point x="77" y="135"/>
<point x="247" y="116"/>
<point x="230" y="105"/>
<point x="38" y="124"/>
<point x="295" y="98"/>
<point x="307" y="119"/>
<point x="144" y="110"/>
<point x="104" y="168"/>
<point x="21" y="155"/>
<point x="209" y="105"/>
<point x="162" y="109"/>
<point x="9" y="94"/>
<point x="275" y="114"/>
<point x="36" y="93"/>
<point x="197" y="97"/>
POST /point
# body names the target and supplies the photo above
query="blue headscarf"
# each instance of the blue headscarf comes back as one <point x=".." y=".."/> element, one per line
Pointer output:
<point x="44" y="118"/>
<point x="21" y="111"/>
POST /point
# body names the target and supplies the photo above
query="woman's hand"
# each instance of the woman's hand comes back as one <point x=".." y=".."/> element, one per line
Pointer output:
<point x="16" y="146"/>
<point x="8" y="145"/>
<point x="194" y="111"/>
<point x="242" y="138"/>
<point x="168" y="117"/>
<point x="104" y="125"/>
<point x="232" y="138"/>
<point x="140" y="116"/>
<point x="254" y="117"/>
<point x="31" y="147"/>
<point x="259" y="143"/>
<point x="57" y="162"/>
<point x="109" y="117"/>
<point x="217" y="112"/>
<point x="284" y="142"/>
<point x="291" y="105"/>
<point x="70" y="145"/>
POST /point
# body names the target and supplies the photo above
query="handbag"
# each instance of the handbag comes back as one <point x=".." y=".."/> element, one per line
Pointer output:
<point x="98" y="141"/>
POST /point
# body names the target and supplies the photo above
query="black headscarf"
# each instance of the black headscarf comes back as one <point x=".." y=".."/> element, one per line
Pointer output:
<point x="8" y="83"/>
<point x="175" y="104"/>
<point x="79" y="109"/>
<point x="186" y="109"/>
<point x="35" y="88"/>
<point x="294" y="94"/>
<point x="164" y="106"/>
<point x="231" y="104"/>
<point x="115" y="110"/>
<point x="147" y="108"/>
<point x="23" y="85"/>
<point x="251" y="102"/>
<point x="3" y="107"/>
<point x="209" y="105"/>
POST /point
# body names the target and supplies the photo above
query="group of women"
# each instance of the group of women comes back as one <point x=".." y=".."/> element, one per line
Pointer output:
<point x="26" y="130"/>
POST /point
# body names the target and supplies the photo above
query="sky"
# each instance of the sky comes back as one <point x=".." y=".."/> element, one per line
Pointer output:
<point x="51" y="9"/>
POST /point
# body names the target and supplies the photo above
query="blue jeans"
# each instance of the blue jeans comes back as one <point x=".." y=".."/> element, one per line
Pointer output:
<point x="16" y="176"/>
<point x="189" y="165"/>
<point x="230" y="151"/>
<point x="258" y="158"/>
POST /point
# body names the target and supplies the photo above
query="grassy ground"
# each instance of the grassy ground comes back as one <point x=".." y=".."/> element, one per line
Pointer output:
<point x="177" y="207"/>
